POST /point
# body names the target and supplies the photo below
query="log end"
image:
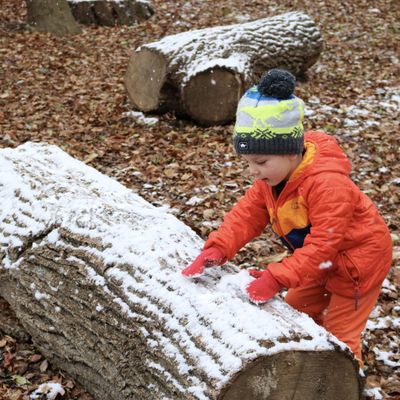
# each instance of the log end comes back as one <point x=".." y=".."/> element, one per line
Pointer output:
<point x="142" y="83"/>
<point x="211" y="96"/>
<point x="299" y="375"/>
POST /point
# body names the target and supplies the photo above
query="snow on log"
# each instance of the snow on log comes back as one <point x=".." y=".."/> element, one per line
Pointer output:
<point x="203" y="73"/>
<point x="111" y="12"/>
<point x="92" y="271"/>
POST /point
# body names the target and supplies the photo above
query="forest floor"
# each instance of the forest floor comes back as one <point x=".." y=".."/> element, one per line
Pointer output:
<point x="70" y="92"/>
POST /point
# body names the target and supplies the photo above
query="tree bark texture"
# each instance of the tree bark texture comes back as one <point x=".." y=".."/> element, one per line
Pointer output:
<point x="111" y="12"/>
<point x="203" y="73"/>
<point x="53" y="16"/>
<point x="92" y="271"/>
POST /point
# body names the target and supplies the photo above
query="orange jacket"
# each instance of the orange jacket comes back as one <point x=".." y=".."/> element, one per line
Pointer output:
<point x="335" y="232"/>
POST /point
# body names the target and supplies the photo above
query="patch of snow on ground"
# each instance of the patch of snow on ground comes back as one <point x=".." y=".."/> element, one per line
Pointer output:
<point x="49" y="389"/>
<point x="374" y="393"/>
<point x="140" y="117"/>
<point x="359" y="116"/>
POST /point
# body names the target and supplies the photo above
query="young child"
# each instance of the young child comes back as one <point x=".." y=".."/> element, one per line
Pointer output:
<point x="340" y="245"/>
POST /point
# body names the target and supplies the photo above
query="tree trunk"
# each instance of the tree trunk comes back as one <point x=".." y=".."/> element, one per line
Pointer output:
<point x="52" y="16"/>
<point x="92" y="272"/>
<point x="203" y="73"/>
<point x="111" y="12"/>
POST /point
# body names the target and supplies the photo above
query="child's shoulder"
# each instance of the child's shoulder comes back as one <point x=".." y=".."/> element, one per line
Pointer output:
<point x="327" y="157"/>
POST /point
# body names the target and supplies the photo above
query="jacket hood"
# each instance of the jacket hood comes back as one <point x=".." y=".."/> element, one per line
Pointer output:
<point x="323" y="154"/>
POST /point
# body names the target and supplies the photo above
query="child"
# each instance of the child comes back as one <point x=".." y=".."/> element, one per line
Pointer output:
<point x="340" y="245"/>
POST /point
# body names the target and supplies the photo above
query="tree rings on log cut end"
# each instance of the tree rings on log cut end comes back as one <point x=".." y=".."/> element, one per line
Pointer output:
<point x="143" y="83"/>
<point x="297" y="375"/>
<point x="210" y="97"/>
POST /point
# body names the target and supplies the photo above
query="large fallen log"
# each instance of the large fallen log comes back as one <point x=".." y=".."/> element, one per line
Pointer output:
<point x="92" y="272"/>
<point x="203" y="73"/>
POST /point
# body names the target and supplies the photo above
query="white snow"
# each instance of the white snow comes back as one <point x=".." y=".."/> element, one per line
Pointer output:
<point x="195" y="200"/>
<point x="49" y="389"/>
<point x="385" y="357"/>
<point x="325" y="265"/>
<point x="358" y="116"/>
<point x="191" y="50"/>
<point x="39" y="296"/>
<point x="140" y="117"/>
<point x="373" y="392"/>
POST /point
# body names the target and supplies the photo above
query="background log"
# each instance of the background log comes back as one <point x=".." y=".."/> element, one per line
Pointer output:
<point x="92" y="271"/>
<point x="203" y="73"/>
<point x="111" y="12"/>
<point x="51" y="16"/>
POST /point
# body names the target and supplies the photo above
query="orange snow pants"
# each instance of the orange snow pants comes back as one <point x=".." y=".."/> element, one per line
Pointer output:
<point x="337" y="314"/>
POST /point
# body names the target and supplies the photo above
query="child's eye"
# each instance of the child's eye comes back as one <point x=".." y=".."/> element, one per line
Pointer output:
<point x="261" y="162"/>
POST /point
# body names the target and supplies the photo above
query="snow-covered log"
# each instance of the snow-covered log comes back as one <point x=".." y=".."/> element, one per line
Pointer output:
<point x="203" y="73"/>
<point x="92" y="272"/>
<point x="111" y="12"/>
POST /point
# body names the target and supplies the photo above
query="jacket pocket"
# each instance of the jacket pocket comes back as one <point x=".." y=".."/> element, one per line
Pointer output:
<point x="350" y="268"/>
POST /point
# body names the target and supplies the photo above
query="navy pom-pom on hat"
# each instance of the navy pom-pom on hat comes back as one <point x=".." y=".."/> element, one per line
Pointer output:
<point x="277" y="83"/>
<point x="269" y="117"/>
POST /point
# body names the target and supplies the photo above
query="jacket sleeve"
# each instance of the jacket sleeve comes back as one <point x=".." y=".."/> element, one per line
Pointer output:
<point x="245" y="221"/>
<point x="331" y="205"/>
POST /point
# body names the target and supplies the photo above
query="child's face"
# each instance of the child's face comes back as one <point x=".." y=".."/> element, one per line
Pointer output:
<point x="271" y="168"/>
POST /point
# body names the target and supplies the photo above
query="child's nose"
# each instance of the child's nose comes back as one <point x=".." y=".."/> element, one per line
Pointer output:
<point x="254" y="171"/>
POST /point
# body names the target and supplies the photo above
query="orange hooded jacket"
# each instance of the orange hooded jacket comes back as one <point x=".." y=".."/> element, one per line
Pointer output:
<point x="335" y="233"/>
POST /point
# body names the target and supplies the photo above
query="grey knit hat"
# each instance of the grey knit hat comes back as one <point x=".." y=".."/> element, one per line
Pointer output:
<point x="269" y="117"/>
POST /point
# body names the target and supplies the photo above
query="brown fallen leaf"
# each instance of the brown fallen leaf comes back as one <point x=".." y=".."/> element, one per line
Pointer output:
<point x="90" y="158"/>
<point x="35" y="358"/>
<point x="44" y="365"/>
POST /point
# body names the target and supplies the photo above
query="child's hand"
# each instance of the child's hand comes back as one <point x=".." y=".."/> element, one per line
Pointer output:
<point x="263" y="288"/>
<point x="207" y="258"/>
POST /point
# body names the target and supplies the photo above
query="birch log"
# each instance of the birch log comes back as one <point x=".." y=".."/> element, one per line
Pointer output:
<point x="203" y="73"/>
<point x="92" y="272"/>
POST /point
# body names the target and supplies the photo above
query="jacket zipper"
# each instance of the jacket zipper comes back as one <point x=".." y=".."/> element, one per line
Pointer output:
<point x="276" y="220"/>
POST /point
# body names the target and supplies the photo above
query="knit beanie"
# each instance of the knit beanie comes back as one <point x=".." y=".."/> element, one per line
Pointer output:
<point x="269" y="117"/>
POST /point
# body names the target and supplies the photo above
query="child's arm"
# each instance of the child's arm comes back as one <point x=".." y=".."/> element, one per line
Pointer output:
<point x="245" y="221"/>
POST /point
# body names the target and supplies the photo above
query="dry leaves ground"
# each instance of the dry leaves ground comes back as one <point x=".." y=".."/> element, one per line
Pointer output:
<point x="70" y="92"/>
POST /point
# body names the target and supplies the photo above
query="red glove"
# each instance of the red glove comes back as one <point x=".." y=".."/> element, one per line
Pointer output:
<point x="207" y="258"/>
<point x="263" y="288"/>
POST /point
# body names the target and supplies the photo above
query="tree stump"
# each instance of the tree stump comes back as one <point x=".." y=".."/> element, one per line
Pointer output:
<point x="51" y="16"/>
<point x="92" y="271"/>
<point x="111" y="12"/>
<point x="204" y="73"/>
